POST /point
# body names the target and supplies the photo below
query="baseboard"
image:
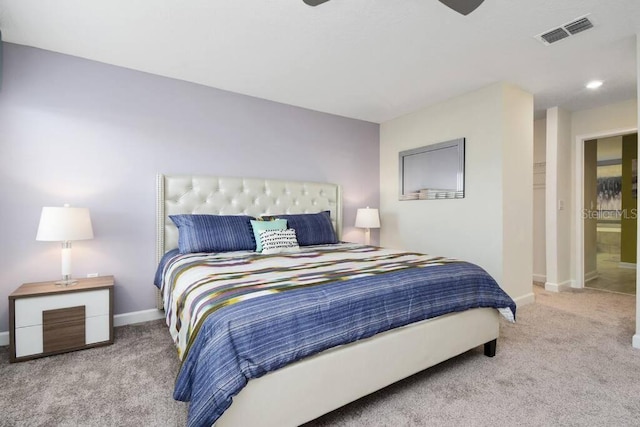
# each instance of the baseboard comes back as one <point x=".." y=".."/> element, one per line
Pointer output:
<point x="592" y="275"/>
<point x="137" y="317"/>
<point x="558" y="287"/>
<point x="630" y="265"/>
<point x="4" y="338"/>
<point x="525" y="299"/>
<point x="540" y="278"/>
<point x="636" y="341"/>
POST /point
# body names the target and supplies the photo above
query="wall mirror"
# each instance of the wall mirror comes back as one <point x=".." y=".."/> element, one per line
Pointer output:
<point x="433" y="172"/>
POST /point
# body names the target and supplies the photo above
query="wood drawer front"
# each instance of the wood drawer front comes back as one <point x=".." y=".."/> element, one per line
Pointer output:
<point x="63" y="315"/>
<point x="29" y="340"/>
<point x="28" y="311"/>
<point x="63" y="328"/>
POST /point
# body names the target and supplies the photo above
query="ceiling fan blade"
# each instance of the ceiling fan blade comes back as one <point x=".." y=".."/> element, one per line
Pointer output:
<point x="314" y="2"/>
<point x="464" y="7"/>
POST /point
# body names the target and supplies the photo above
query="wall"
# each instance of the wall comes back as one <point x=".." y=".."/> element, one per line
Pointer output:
<point x="93" y="135"/>
<point x="612" y="117"/>
<point x="517" y="193"/>
<point x="558" y="199"/>
<point x="492" y="225"/>
<point x="539" y="187"/>
<point x="629" y="220"/>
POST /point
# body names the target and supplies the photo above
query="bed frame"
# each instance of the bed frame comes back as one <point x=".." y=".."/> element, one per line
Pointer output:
<point x="311" y="387"/>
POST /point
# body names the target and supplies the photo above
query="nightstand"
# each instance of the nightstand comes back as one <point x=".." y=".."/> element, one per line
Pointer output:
<point x="47" y="319"/>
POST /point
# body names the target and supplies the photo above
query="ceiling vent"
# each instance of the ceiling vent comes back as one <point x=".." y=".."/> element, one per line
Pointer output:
<point x="578" y="26"/>
<point x="567" y="30"/>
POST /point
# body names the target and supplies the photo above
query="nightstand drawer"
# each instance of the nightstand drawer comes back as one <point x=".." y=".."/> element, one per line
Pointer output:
<point x="63" y="328"/>
<point x="30" y="340"/>
<point x="28" y="311"/>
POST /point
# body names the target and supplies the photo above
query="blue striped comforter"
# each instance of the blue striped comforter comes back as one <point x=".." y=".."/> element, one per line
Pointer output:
<point x="236" y="316"/>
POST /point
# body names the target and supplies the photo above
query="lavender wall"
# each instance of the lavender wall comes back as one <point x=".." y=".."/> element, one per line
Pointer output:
<point x="93" y="135"/>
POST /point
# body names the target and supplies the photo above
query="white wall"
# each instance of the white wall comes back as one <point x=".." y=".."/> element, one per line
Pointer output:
<point x="497" y="122"/>
<point x="539" y="167"/>
<point x="558" y="199"/>
<point x="616" y="116"/>
<point x="517" y="191"/>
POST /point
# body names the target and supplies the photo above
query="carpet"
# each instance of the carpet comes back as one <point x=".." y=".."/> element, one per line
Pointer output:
<point x="568" y="361"/>
<point x="128" y="383"/>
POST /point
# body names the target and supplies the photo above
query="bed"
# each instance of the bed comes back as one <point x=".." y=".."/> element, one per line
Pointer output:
<point x="325" y="379"/>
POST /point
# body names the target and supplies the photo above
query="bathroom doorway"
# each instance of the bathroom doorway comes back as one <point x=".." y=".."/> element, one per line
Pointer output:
<point x="611" y="199"/>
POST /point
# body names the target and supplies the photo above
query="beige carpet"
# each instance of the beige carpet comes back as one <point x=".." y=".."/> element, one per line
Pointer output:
<point x="568" y="361"/>
<point x="128" y="383"/>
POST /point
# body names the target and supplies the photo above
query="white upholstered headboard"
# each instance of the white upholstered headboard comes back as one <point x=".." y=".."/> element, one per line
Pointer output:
<point x="201" y="194"/>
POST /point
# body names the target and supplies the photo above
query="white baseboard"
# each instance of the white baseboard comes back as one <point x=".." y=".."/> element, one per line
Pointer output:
<point x="558" y="287"/>
<point x="137" y="317"/>
<point x="631" y="265"/>
<point x="540" y="278"/>
<point x="525" y="299"/>
<point x="636" y="341"/>
<point x="592" y="275"/>
<point x="118" y="320"/>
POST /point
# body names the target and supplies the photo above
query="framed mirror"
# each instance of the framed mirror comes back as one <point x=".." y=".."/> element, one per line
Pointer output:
<point x="433" y="172"/>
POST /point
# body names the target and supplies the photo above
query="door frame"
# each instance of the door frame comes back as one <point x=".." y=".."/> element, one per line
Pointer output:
<point x="579" y="197"/>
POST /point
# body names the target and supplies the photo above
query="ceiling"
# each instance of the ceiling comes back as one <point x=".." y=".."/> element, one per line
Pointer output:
<point x="367" y="59"/>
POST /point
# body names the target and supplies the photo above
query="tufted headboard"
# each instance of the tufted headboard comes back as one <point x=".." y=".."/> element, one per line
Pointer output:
<point x="201" y="194"/>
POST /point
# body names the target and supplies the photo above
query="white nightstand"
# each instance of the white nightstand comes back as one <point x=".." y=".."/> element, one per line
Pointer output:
<point x="46" y="319"/>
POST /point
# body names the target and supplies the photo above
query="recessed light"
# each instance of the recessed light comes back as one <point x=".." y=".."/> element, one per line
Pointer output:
<point x="594" y="84"/>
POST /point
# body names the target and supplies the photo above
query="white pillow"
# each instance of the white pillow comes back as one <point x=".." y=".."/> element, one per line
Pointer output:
<point x="279" y="241"/>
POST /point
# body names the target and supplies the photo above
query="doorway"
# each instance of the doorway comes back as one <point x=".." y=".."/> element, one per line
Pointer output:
<point x="610" y="204"/>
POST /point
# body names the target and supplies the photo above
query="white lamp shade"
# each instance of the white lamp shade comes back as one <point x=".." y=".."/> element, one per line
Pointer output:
<point x="59" y="224"/>
<point x="368" y="218"/>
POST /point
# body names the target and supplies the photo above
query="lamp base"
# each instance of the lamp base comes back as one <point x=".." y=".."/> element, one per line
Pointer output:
<point x="367" y="236"/>
<point x="66" y="282"/>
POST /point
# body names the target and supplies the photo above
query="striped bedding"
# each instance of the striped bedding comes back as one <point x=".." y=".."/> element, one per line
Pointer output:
<point x="238" y="315"/>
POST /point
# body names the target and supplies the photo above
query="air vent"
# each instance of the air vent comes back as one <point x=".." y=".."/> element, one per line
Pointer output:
<point x="578" y="26"/>
<point x="566" y="30"/>
<point x="554" y="35"/>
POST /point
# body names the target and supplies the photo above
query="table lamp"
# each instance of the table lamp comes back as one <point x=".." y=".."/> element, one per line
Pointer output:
<point x="367" y="218"/>
<point x="65" y="224"/>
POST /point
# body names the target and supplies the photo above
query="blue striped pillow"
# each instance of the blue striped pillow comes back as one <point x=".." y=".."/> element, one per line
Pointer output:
<point x="214" y="233"/>
<point x="312" y="229"/>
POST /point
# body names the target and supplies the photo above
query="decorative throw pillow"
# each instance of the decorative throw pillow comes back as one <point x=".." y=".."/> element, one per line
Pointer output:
<point x="279" y="241"/>
<point x="213" y="233"/>
<point x="260" y="226"/>
<point x="312" y="229"/>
